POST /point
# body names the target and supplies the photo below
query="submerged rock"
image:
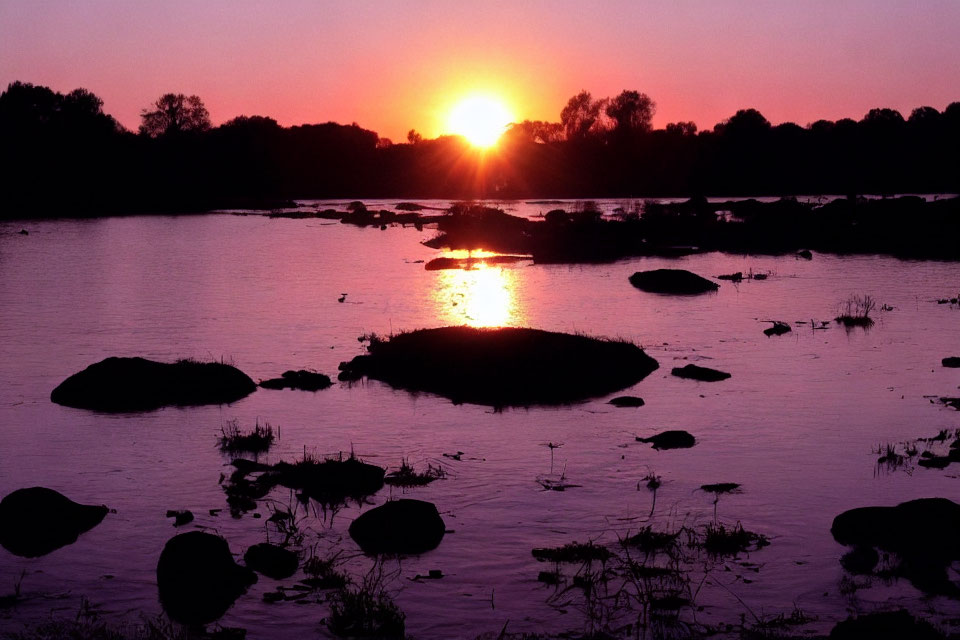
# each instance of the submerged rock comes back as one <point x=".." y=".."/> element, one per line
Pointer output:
<point x="704" y="374"/>
<point x="272" y="561"/>
<point x="924" y="534"/>
<point x="778" y="329"/>
<point x="198" y="579"/>
<point x="302" y="379"/>
<point x="627" y="401"/>
<point x="138" y="384"/>
<point x="572" y="552"/>
<point x="438" y="264"/>
<point x="732" y="277"/>
<point x="399" y="527"/>
<point x="180" y="517"/>
<point x="37" y="520"/>
<point x="953" y="362"/>
<point x="672" y="281"/>
<point x="502" y="366"/>
<point x="675" y="439"/>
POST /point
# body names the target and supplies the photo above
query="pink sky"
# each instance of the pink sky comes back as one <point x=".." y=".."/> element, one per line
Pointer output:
<point x="391" y="66"/>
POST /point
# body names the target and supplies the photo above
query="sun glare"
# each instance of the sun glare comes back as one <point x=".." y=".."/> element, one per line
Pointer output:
<point x="478" y="297"/>
<point x="479" y="119"/>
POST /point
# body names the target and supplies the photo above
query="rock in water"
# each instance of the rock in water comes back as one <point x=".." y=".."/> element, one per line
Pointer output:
<point x="36" y="521"/>
<point x="627" y="401"/>
<point x="703" y="374"/>
<point x="302" y="379"/>
<point x="778" y="329"/>
<point x="670" y="440"/>
<point x="924" y="534"/>
<point x="502" y="366"/>
<point x="399" y="527"/>
<point x="198" y="579"/>
<point x="137" y="384"/>
<point x="672" y="281"/>
<point x="272" y="561"/>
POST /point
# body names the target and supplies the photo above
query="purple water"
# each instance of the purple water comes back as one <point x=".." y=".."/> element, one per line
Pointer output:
<point x="796" y="424"/>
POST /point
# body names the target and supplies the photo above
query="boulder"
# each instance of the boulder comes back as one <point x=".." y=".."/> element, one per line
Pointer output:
<point x="36" y="521"/>
<point x="672" y="281"/>
<point x="674" y="439"/>
<point x="272" y="561"/>
<point x="399" y="527"/>
<point x="953" y="362"/>
<point x="137" y="384"/>
<point x="502" y="366"/>
<point x="924" y="534"/>
<point x="703" y="374"/>
<point x="198" y="578"/>
<point x="302" y="379"/>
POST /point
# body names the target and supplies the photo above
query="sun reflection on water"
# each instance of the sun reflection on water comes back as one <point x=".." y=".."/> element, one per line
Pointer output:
<point x="483" y="296"/>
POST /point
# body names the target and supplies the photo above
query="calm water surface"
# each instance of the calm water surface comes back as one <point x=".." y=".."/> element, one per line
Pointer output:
<point x="795" y="425"/>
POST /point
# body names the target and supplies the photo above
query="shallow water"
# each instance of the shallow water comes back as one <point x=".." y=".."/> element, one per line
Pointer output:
<point x="795" y="425"/>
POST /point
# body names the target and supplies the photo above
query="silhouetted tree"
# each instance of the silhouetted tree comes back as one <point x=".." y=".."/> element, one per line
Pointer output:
<point x="682" y="128"/>
<point x="631" y="111"/>
<point x="536" y="131"/>
<point x="883" y="118"/>
<point x="744" y="123"/>
<point x="174" y="113"/>
<point x="65" y="149"/>
<point x="580" y="115"/>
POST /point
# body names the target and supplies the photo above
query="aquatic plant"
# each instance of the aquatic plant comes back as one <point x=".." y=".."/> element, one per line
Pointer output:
<point x="234" y="440"/>
<point x="366" y="610"/>
<point x="717" y="490"/>
<point x="653" y="482"/>
<point x="722" y="540"/>
<point x="406" y="476"/>
<point x="855" y="311"/>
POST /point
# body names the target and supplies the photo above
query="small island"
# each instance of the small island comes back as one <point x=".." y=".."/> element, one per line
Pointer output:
<point x="502" y="367"/>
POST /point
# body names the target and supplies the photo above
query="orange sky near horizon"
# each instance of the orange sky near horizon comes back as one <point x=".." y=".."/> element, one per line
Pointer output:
<point x="391" y="66"/>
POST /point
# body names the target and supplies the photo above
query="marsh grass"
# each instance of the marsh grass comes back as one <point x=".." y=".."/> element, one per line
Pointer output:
<point x="724" y="541"/>
<point x="234" y="440"/>
<point x="855" y="311"/>
<point x="366" y="610"/>
<point x="406" y="476"/>
<point x="937" y="451"/>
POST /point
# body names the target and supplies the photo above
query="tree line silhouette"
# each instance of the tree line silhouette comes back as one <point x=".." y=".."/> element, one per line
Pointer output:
<point x="63" y="156"/>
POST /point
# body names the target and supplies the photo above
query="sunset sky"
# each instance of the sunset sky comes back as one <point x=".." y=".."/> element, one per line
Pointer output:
<point x="391" y="66"/>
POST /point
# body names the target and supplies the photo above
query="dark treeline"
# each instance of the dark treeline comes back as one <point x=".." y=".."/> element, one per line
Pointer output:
<point x="62" y="155"/>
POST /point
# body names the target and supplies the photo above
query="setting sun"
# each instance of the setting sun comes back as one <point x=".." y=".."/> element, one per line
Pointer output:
<point x="479" y="119"/>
